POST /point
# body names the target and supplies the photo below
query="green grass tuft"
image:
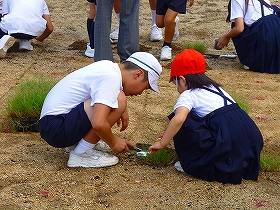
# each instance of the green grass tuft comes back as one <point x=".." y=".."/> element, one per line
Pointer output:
<point x="27" y="99"/>
<point x="200" y="47"/>
<point x="270" y="163"/>
<point x="162" y="157"/>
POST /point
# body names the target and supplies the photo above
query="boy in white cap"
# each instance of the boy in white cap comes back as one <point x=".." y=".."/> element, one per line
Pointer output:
<point x="82" y="107"/>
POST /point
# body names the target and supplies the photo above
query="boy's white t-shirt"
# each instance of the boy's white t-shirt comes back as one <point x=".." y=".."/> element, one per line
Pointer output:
<point x="24" y="16"/>
<point x="101" y="81"/>
<point x="201" y="101"/>
<point x="238" y="10"/>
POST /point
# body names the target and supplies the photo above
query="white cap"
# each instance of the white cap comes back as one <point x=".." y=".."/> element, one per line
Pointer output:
<point x="149" y="63"/>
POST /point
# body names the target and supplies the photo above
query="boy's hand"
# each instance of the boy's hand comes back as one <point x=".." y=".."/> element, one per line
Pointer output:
<point x="121" y="145"/>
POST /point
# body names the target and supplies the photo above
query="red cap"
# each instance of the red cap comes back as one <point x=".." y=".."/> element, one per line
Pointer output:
<point x="187" y="62"/>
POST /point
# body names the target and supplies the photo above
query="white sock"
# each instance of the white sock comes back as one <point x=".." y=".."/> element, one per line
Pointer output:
<point x="153" y="17"/>
<point x="83" y="146"/>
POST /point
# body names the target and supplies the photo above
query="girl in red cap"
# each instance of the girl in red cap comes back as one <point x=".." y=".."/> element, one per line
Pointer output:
<point x="214" y="138"/>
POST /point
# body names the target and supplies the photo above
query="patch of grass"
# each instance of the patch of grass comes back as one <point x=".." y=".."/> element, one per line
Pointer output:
<point x="270" y="161"/>
<point x="200" y="47"/>
<point x="27" y="99"/>
<point x="241" y="101"/>
<point x="162" y="157"/>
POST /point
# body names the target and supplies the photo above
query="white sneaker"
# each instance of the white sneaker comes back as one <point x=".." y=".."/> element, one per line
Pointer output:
<point x="92" y="159"/>
<point x="102" y="146"/>
<point x="115" y="34"/>
<point x="165" y="53"/>
<point x="5" y="43"/>
<point x="156" y="34"/>
<point x="89" y="51"/>
<point x="25" y="44"/>
<point x="246" y="67"/>
<point x="69" y="149"/>
<point x="176" y="33"/>
<point x="178" y="166"/>
<point x="113" y="41"/>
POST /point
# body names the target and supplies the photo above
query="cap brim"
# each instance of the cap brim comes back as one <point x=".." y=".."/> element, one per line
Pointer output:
<point x="153" y="83"/>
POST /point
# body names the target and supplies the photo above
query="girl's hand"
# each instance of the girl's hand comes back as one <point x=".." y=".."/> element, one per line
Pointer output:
<point x="223" y="41"/>
<point x="156" y="146"/>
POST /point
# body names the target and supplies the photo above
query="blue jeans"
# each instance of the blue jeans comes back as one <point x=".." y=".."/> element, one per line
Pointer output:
<point x="128" y="41"/>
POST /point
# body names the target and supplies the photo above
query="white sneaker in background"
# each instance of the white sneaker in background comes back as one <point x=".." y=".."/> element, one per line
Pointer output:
<point x="102" y="146"/>
<point x="156" y="34"/>
<point x="25" y="44"/>
<point x="115" y="35"/>
<point x="246" y="67"/>
<point x="166" y="53"/>
<point x="176" y="33"/>
<point x="5" y="43"/>
<point x="92" y="159"/>
<point x="89" y="51"/>
<point x="178" y="166"/>
<point x="113" y="41"/>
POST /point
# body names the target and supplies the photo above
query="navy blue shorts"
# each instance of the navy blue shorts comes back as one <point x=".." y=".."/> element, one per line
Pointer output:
<point x="65" y="129"/>
<point x="175" y="5"/>
<point x="92" y="1"/>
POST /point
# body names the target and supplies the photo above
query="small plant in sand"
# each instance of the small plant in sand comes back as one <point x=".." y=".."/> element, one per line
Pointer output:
<point x="270" y="160"/>
<point x="163" y="157"/>
<point x="26" y="101"/>
<point x="200" y="47"/>
<point x="241" y="101"/>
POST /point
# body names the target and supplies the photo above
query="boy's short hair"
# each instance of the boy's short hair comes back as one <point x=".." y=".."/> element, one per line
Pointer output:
<point x="149" y="63"/>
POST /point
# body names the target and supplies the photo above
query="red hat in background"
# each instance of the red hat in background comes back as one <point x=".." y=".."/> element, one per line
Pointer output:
<point x="187" y="62"/>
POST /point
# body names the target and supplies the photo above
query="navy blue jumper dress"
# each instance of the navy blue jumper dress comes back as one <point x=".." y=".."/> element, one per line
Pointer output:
<point x="223" y="146"/>
<point x="258" y="46"/>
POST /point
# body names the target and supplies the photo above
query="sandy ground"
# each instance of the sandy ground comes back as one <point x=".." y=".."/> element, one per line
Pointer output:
<point x="34" y="175"/>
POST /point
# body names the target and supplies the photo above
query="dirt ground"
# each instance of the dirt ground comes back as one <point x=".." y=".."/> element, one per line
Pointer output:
<point x="33" y="175"/>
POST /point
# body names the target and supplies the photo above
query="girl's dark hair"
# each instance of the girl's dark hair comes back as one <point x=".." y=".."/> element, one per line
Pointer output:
<point x="198" y="81"/>
<point x="229" y="11"/>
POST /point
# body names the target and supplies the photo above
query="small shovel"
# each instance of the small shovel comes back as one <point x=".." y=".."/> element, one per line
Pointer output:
<point x="141" y="149"/>
<point x="221" y="56"/>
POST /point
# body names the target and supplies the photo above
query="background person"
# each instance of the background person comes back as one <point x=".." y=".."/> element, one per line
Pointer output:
<point x="90" y="28"/>
<point x="25" y="20"/>
<point x="128" y="40"/>
<point x="167" y="11"/>
<point x="214" y="138"/>
<point x="255" y="34"/>
<point x="156" y="32"/>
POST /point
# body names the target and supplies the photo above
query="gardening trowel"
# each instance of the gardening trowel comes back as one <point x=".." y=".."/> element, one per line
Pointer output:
<point x="221" y="56"/>
<point x="141" y="149"/>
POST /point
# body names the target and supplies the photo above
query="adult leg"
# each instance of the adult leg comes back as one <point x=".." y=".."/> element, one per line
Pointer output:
<point x="129" y="28"/>
<point x="115" y="34"/>
<point x="103" y="19"/>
